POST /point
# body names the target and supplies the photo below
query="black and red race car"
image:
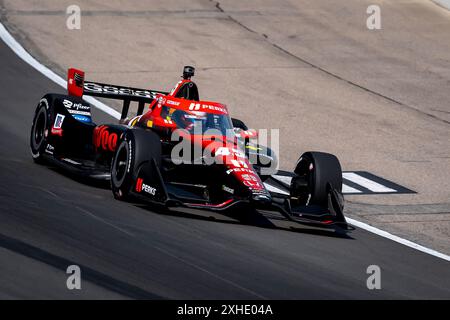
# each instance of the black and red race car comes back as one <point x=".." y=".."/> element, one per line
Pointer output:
<point x="182" y="152"/>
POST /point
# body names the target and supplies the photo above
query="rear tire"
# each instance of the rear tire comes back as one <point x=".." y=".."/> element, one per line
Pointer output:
<point x="136" y="148"/>
<point x="320" y="170"/>
<point x="39" y="131"/>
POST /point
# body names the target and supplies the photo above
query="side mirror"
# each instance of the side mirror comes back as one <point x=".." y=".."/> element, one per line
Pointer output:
<point x="242" y="132"/>
<point x="239" y="124"/>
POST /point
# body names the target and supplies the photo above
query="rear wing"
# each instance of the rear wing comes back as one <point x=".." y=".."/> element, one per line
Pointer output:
<point x="77" y="86"/>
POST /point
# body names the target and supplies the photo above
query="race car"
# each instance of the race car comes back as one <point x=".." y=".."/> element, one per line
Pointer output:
<point x="182" y="152"/>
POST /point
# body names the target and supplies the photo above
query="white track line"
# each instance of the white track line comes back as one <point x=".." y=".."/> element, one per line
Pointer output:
<point x="287" y="180"/>
<point x="347" y="189"/>
<point x="25" y="56"/>
<point x="395" y="238"/>
<point x="366" y="183"/>
<point x="443" y="3"/>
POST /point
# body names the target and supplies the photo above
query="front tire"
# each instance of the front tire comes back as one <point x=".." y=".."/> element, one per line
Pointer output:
<point x="320" y="171"/>
<point x="136" y="148"/>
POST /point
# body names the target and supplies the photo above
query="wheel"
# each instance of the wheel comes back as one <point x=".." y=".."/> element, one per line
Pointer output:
<point x="239" y="124"/>
<point x="318" y="169"/>
<point x="136" y="148"/>
<point x="39" y="131"/>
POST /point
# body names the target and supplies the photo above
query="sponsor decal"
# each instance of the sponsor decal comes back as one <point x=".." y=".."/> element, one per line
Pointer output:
<point x="83" y="113"/>
<point x="67" y="103"/>
<point x="174" y="103"/>
<point x="77" y="106"/>
<point x="142" y="187"/>
<point x="57" y="125"/>
<point x="198" y="106"/>
<point x="239" y="170"/>
<point x="227" y="189"/>
<point x="249" y="177"/>
<point x="139" y="183"/>
<point x="79" y="111"/>
<point x="251" y="181"/>
<point x="59" y="119"/>
<point x="105" y="140"/>
<point x="261" y="192"/>
<point x="252" y="184"/>
<point x="82" y="118"/>
<point x="109" y="89"/>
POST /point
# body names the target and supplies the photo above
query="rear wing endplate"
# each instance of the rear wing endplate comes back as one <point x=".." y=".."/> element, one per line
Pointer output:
<point x="77" y="86"/>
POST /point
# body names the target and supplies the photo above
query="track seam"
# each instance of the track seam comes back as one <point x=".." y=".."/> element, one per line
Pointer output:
<point x="314" y="66"/>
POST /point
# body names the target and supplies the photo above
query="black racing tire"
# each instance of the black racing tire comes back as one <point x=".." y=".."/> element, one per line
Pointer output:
<point x="39" y="130"/>
<point x="320" y="169"/>
<point x="239" y="124"/>
<point x="136" y="148"/>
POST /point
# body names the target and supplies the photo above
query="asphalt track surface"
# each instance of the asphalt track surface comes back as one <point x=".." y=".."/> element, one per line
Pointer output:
<point x="49" y="220"/>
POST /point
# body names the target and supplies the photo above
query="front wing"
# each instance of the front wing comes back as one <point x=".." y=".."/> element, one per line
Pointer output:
<point x="151" y="187"/>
